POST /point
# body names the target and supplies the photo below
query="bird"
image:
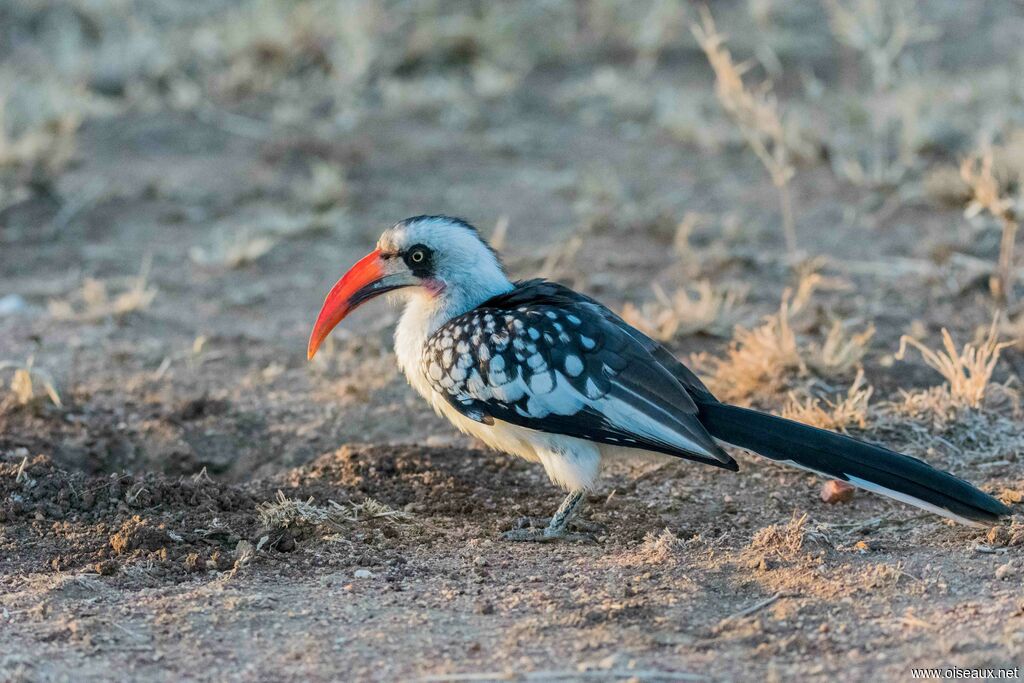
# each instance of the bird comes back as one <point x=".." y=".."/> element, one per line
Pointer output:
<point x="535" y="369"/>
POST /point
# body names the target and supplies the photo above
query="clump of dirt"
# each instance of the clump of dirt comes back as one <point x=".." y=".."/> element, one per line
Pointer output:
<point x="1008" y="536"/>
<point x="358" y="504"/>
<point x="436" y="481"/>
<point x="138" y="534"/>
<point x="36" y="488"/>
<point x="66" y="520"/>
<point x="659" y="550"/>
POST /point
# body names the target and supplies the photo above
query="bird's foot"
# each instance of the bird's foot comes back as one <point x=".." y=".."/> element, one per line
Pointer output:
<point x="540" y="530"/>
<point x="557" y="528"/>
<point x="546" y="535"/>
<point x="544" y="522"/>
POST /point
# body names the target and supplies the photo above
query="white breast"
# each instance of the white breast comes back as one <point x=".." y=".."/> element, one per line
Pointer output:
<point x="571" y="463"/>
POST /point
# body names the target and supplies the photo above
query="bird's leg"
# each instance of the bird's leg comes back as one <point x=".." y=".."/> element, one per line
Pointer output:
<point x="557" y="528"/>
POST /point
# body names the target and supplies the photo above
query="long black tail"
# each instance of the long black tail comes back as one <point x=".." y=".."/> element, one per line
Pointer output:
<point x="861" y="464"/>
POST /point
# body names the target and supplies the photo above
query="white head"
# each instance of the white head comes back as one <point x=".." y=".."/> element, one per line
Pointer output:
<point x="440" y="263"/>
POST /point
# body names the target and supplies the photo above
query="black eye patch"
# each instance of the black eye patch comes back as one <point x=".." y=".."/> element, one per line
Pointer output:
<point x="420" y="260"/>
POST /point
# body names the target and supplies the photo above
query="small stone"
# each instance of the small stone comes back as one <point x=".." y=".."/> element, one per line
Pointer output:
<point x="835" y="491"/>
<point x="363" y="574"/>
<point x="999" y="536"/>
<point x="105" y="568"/>
<point x="193" y="562"/>
<point x="1006" y="571"/>
<point x="219" y="561"/>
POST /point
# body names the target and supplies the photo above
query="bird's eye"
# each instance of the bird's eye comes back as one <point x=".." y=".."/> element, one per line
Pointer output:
<point x="417" y="256"/>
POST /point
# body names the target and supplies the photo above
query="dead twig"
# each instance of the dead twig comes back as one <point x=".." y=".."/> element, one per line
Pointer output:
<point x="755" y="608"/>
<point x="747" y="611"/>
<point x="21" y="470"/>
<point x="755" y="112"/>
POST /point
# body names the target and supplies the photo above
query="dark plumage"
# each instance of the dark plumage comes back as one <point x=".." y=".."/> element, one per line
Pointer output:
<point x="544" y="357"/>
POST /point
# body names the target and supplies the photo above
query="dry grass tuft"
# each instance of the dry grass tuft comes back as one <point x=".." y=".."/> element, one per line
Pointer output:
<point x="787" y="539"/>
<point x="244" y="553"/>
<point x="374" y="509"/>
<point x="758" y="360"/>
<point x="243" y="240"/>
<point x="98" y="299"/>
<point x="967" y="372"/>
<point x="233" y="249"/>
<point x="260" y="45"/>
<point x="932" y="425"/>
<point x="326" y="186"/>
<point x="841" y="353"/>
<point x="284" y="513"/>
<point x="987" y="194"/>
<point x="880" y="33"/>
<point x="49" y="146"/>
<point x="756" y="113"/>
<point x="661" y="549"/>
<point x="682" y="313"/>
<point x="604" y="202"/>
<point x="848" y="411"/>
<point x="881" y="30"/>
<point x="29" y="383"/>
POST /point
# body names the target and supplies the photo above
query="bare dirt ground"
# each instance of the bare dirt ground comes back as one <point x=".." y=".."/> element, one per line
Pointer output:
<point x="142" y="530"/>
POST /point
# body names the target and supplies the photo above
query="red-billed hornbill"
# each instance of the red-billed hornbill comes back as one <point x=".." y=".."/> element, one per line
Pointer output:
<point x="536" y="369"/>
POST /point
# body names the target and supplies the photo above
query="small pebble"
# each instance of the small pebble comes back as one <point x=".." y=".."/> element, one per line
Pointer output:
<point x="363" y="574"/>
<point x="1006" y="571"/>
<point x="836" y="491"/>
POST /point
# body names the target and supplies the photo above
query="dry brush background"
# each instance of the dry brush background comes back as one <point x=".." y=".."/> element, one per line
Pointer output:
<point x="815" y="204"/>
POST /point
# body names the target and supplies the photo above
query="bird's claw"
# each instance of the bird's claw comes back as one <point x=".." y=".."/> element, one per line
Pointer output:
<point x="545" y="535"/>
<point x="543" y="522"/>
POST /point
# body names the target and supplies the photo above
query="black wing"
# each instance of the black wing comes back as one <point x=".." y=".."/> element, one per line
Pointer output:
<point x="546" y="358"/>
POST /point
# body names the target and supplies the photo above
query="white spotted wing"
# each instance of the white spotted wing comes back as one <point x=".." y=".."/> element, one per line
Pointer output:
<point x="549" y="359"/>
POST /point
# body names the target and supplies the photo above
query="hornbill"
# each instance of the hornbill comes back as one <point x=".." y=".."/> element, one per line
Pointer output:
<point x="535" y="369"/>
